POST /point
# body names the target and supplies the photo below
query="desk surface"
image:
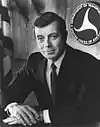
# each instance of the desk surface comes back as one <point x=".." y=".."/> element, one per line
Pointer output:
<point x="46" y="125"/>
<point x="6" y="125"/>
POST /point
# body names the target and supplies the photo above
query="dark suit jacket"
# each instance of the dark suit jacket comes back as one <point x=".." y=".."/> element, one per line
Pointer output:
<point x="77" y="90"/>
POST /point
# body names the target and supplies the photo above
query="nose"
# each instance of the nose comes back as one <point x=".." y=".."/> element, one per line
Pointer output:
<point x="47" y="42"/>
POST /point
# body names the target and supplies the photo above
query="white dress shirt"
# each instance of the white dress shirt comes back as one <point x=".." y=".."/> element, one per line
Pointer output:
<point x="48" y="70"/>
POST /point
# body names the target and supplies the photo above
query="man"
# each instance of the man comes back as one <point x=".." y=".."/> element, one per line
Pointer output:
<point x="61" y="78"/>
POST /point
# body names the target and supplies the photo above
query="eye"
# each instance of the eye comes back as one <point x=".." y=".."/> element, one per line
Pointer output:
<point x="53" y="37"/>
<point x="40" y="39"/>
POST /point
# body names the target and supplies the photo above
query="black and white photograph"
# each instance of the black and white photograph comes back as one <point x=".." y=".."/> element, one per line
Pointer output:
<point x="49" y="63"/>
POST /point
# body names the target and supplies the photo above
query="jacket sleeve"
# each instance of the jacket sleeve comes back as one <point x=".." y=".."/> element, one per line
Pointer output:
<point x="21" y="85"/>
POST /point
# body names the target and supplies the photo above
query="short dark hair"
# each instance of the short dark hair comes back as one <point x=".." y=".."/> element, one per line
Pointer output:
<point x="47" y="18"/>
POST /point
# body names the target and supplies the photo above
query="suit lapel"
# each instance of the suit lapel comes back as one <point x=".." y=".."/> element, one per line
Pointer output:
<point x="66" y="63"/>
<point x="63" y="65"/>
<point x="64" y="75"/>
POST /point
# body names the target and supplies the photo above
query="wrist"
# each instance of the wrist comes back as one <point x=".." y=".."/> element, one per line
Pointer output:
<point x="41" y="119"/>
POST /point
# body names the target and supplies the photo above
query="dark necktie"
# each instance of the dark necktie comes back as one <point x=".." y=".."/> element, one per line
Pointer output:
<point x="53" y="81"/>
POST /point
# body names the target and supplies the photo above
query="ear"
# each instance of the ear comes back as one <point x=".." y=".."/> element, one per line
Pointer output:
<point x="65" y="35"/>
<point x="34" y="32"/>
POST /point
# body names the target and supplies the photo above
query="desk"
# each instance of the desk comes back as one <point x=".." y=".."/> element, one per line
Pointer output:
<point x="6" y="125"/>
<point x="42" y="125"/>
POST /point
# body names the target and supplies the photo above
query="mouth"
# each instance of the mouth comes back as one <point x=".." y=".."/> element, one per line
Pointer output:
<point x="49" y="51"/>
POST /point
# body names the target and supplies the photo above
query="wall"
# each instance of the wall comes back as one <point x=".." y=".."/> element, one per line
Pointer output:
<point x="23" y="36"/>
<point x="19" y="35"/>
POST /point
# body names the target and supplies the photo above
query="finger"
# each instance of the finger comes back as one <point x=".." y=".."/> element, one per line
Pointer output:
<point x="29" y="111"/>
<point x="33" y="111"/>
<point x="19" y="114"/>
<point x="23" y="117"/>
<point x="9" y="119"/>
<point x="10" y="105"/>
<point x="29" y="116"/>
<point x="13" y="123"/>
<point x="17" y="121"/>
<point x="22" y="121"/>
<point x="7" y="108"/>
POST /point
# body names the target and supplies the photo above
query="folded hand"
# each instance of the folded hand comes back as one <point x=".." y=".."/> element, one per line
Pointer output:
<point x="21" y="114"/>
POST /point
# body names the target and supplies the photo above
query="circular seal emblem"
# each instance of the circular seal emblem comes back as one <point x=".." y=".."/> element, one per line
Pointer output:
<point x="85" y="23"/>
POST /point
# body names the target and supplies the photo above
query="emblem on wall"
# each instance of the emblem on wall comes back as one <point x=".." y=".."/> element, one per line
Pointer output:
<point x="85" y="23"/>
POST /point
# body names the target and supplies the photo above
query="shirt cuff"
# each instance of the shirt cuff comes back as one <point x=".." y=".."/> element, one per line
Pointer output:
<point x="46" y="116"/>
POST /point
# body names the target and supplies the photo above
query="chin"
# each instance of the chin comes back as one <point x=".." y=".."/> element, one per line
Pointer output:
<point x="51" y="57"/>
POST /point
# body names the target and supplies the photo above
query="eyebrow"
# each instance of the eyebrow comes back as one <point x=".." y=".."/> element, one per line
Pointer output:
<point x="48" y="35"/>
<point x="53" y="34"/>
<point x="39" y="36"/>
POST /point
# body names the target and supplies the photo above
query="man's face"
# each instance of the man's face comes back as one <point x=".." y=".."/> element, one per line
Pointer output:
<point x="49" y="41"/>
